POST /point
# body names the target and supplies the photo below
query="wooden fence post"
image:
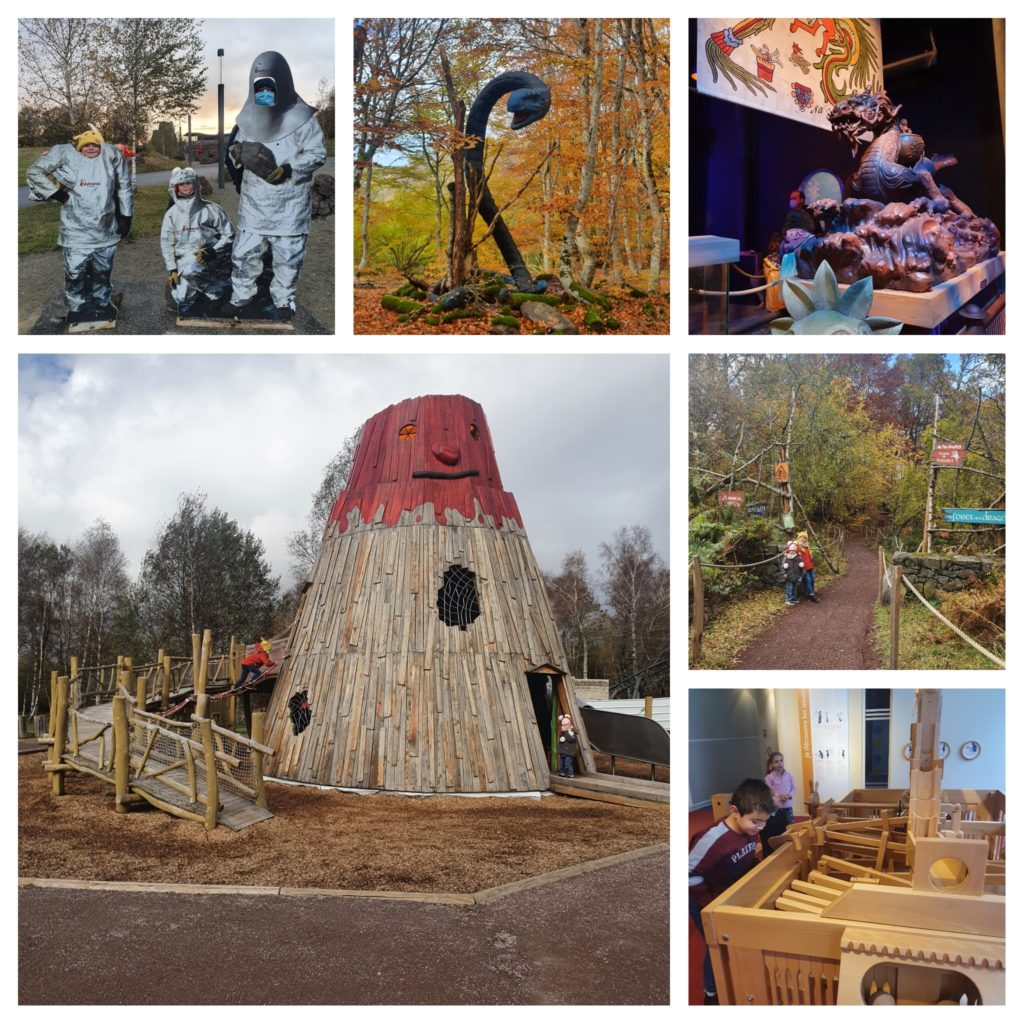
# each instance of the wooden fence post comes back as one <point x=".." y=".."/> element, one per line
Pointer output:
<point x="259" y="719"/>
<point x="894" y="616"/>
<point x="53" y="702"/>
<point x="210" y="757"/>
<point x="648" y="707"/>
<point x="199" y="684"/>
<point x="60" y="736"/>
<point x="121" y="741"/>
<point x="697" y="629"/>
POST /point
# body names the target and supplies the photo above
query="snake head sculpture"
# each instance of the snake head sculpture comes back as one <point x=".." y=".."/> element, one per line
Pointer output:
<point x="528" y="105"/>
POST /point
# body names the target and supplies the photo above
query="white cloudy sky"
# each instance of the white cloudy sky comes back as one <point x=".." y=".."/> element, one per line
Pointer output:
<point x="581" y="441"/>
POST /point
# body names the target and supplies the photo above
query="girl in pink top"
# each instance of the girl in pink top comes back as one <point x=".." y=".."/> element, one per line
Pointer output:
<point x="783" y="788"/>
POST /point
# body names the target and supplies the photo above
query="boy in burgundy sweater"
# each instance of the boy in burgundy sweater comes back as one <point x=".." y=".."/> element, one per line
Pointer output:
<point x="723" y="853"/>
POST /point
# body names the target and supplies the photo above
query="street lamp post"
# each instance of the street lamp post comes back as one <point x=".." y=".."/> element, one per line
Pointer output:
<point x="220" y="123"/>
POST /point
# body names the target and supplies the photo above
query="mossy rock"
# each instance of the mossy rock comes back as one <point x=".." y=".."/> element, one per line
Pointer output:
<point x="405" y="291"/>
<point x="505" y="321"/>
<point x="506" y="310"/>
<point x="399" y="305"/>
<point x="516" y="299"/>
<point x="592" y="322"/>
<point x="611" y="323"/>
<point x="635" y="293"/>
<point x="492" y="288"/>
<point x="594" y="298"/>
<point x="432" y="320"/>
<point x="459" y="314"/>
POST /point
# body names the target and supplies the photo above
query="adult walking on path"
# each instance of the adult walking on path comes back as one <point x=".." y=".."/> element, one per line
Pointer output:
<point x="837" y="633"/>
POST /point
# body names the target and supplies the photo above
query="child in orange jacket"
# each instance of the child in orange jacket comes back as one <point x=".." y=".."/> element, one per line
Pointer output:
<point x="253" y="664"/>
<point x="804" y="551"/>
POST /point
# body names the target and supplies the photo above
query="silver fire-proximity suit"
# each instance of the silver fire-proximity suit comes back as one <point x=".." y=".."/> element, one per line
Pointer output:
<point x="99" y="188"/>
<point x="193" y="233"/>
<point x="275" y="214"/>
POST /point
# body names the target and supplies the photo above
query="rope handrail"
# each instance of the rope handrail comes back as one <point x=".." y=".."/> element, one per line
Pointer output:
<point x="746" y="565"/>
<point x="959" y="632"/>
<point x="942" y="618"/>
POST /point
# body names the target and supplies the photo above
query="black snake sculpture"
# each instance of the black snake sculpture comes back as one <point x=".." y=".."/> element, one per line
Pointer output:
<point x="529" y="101"/>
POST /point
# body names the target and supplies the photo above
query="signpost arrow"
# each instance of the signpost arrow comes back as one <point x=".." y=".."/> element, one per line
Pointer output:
<point x="990" y="516"/>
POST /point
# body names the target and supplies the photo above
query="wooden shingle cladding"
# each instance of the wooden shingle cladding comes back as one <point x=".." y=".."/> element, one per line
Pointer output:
<point x="400" y="700"/>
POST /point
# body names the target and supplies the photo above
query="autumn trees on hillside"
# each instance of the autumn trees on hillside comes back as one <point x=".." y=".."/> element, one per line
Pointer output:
<point x="596" y="207"/>
<point x="861" y="434"/>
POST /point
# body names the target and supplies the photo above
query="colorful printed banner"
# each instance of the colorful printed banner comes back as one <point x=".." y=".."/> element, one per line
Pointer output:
<point x="794" y="67"/>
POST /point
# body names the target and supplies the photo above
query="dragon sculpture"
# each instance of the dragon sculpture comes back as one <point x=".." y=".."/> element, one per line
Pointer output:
<point x="896" y="225"/>
<point x="529" y="101"/>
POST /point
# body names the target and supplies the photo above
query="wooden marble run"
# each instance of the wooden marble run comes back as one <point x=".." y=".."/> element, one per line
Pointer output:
<point x="905" y="909"/>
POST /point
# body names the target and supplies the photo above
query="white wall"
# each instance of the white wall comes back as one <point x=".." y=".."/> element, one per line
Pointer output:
<point x="659" y="709"/>
<point x="966" y="715"/>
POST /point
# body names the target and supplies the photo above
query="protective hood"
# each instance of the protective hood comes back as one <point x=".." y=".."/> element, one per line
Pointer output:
<point x="179" y="176"/>
<point x="290" y="111"/>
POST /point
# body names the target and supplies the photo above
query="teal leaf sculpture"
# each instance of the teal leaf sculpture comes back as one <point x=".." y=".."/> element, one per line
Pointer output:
<point x="818" y="308"/>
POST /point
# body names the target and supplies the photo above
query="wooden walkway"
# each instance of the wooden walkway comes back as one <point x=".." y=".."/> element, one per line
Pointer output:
<point x="165" y="773"/>
<point x="612" y="789"/>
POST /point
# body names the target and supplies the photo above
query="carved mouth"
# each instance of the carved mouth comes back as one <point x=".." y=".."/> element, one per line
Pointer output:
<point x="520" y="117"/>
<point x="431" y="475"/>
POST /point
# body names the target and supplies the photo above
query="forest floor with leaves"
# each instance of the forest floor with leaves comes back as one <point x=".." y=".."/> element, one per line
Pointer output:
<point x="322" y="838"/>
<point x="636" y="315"/>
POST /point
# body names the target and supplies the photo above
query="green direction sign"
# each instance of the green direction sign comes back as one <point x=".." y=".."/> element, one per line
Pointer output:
<point x="994" y="516"/>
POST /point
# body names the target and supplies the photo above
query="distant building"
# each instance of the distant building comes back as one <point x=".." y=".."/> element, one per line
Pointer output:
<point x="204" y="147"/>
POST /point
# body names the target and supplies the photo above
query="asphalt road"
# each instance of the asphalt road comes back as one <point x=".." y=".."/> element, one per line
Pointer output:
<point x="147" y="178"/>
<point x="599" y="938"/>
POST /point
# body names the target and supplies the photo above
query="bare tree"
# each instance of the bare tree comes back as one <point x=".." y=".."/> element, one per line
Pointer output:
<point x="303" y="545"/>
<point x="577" y="611"/>
<point x="390" y="56"/>
<point x="58" y="68"/>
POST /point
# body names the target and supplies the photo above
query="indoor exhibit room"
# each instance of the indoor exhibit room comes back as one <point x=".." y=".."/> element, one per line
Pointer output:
<point x="847" y="847"/>
<point x="847" y="176"/>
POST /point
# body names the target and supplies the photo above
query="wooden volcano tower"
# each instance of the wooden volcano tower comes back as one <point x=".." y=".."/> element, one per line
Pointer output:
<point x="424" y="640"/>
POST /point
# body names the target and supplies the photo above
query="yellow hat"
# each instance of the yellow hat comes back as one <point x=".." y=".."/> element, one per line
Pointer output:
<point x="82" y="140"/>
<point x="265" y="645"/>
<point x="801" y="535"/>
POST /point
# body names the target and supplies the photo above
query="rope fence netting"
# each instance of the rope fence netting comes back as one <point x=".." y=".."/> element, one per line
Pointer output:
<point x="942" y="618"/>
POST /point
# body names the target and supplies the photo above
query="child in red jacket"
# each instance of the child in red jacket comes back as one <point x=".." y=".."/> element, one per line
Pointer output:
<point x="253" y="664"/>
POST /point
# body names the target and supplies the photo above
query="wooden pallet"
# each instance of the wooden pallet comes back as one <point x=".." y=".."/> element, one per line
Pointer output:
<point x="213" y="323"/>
<point x="612" y="789"/>
<point x="88" y="326"/>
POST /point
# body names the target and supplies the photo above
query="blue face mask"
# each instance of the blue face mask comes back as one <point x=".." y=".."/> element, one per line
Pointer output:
<point x="265" y="98"/>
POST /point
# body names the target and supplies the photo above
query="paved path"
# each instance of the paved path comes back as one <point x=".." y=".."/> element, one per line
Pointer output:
<point x="598" y="938"/>
<point x="836" y="633"/>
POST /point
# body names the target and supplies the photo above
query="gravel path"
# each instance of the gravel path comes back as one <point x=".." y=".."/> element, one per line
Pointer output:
<point x="597" y="938"/>
<point x="836" y="633"/>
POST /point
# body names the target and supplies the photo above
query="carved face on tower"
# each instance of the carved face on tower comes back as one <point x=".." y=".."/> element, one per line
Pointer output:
<point x="435" y="450"/>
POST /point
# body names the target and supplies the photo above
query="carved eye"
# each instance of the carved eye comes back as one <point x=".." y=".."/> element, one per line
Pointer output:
<point x="474" y="432"/>
<point x="407" y="433"/>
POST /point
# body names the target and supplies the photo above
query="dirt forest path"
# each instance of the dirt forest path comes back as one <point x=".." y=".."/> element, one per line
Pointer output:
<point x="836" y="633"/>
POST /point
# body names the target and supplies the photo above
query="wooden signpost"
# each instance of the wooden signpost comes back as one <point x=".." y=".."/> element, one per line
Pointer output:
<point x="782" y="472"/>
<point x="948" y="455"/>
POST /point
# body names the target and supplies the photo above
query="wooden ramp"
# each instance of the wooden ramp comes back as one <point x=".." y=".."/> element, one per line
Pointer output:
<point x="612" y="789"/>
<point x="234" y="811"/>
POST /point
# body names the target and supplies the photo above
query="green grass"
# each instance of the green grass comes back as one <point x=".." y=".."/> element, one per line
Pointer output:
<point x="38" y="223"/>
<point x="925" y="643"/>
<point x="741" y="621"/>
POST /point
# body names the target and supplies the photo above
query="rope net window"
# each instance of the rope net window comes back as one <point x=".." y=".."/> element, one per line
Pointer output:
<point x="457" y="600"/>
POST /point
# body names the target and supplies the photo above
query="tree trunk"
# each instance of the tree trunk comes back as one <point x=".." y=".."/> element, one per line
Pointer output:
<point x="613" y="263"/>
<point x="461" y="236"/>
<point x="573" y="236"/>
<point x="364" y="258"/>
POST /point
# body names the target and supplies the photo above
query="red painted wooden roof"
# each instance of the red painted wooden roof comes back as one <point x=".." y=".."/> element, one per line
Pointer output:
<point x="436" y="448"/>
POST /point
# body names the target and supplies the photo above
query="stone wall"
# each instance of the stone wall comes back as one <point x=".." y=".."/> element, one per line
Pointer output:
<point x="932" y="573"/>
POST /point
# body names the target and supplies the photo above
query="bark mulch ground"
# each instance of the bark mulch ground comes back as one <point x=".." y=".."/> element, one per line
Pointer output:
<point x="322" y="838"/>
<point x="836" y="633"/>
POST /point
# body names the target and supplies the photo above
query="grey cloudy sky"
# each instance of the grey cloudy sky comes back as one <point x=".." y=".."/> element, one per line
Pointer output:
<point x="581" y="441"/>
<point x="306" y="43"/>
